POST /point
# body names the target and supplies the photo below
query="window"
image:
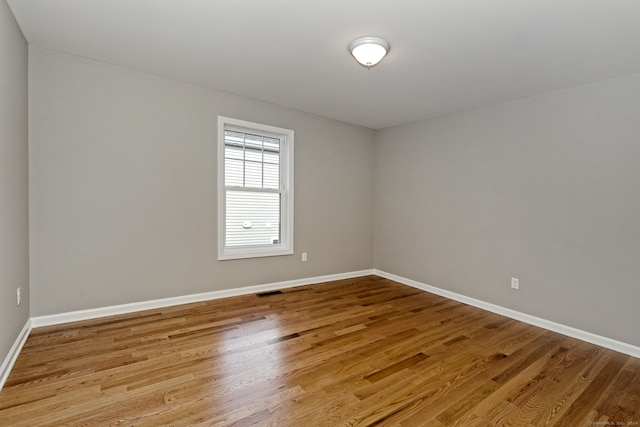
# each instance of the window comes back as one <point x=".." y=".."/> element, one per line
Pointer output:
<point x="255" y="190"/>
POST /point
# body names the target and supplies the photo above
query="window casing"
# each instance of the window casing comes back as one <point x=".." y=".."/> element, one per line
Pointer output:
<point x="255" y="190"/>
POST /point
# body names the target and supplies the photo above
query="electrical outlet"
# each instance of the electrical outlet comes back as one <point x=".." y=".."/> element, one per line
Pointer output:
<point x="515" y="283"/>
<point x="18" y="296"/>
<point x="304" y="256"/>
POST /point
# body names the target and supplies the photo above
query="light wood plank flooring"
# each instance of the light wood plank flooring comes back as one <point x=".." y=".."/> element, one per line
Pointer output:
<point x="356" y="352"/>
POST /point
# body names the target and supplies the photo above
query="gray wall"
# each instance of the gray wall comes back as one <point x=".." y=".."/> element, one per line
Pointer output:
<point x="123" y="188"/>
<point x="546" y="189"/>
<point x="123" y="193"/>
<point x="14" y="208"/>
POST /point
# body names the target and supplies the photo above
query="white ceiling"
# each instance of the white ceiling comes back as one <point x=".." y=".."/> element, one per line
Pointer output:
<point x="446" y="55"/>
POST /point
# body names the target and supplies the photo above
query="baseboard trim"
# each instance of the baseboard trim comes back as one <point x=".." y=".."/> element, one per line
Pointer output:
<point x="95" y="313"/>
<point x="11" y="358"/>
<point x="589" y="337"/>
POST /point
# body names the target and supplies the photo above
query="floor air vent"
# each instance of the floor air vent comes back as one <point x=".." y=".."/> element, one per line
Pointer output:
<point x="268" y="294"/>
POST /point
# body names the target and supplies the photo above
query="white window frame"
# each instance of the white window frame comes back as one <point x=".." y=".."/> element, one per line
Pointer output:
<point x="286" y="136"/>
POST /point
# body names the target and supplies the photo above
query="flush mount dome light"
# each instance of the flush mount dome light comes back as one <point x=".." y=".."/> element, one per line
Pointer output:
<point x="368" y="51"/>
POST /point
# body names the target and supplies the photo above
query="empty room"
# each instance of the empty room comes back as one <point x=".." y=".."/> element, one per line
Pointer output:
<point x="320" y="213"/>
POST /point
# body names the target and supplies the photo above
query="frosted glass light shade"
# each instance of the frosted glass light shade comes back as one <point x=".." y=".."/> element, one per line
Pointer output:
<point x="368" y="51"/>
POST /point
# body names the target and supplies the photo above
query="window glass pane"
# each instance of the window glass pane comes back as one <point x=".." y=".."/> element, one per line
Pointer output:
<point x="253" y="174"/>
<point x="252" y="218"/>
<point x="253" y="154"/>
<point x="253" y="142"/>
<point x="233" y="173"/>
<point x="233" y="152"/>
<point x="251" y="160"/>
<point x="271" y="144"/>
<point x="271" y="176"/>
<point x="232" y="137"/>
<point x="270" y="157"/>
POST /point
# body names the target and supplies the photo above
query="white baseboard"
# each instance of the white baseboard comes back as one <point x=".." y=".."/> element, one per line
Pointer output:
<point x="94" y="313"/>
<point x="589" y="337"/>
<point x="10" y="360"/>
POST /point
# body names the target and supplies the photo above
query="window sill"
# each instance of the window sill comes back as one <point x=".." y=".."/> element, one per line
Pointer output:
<point x="230" y="254"/>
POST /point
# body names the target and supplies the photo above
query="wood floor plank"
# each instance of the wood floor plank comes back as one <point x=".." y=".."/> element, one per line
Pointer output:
<point x="357" y="352"/>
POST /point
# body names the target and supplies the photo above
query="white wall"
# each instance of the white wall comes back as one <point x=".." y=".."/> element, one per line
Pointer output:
<point x="123" y="188"/>
<point x="14" y="208"/>
<point x="546" y="189"/>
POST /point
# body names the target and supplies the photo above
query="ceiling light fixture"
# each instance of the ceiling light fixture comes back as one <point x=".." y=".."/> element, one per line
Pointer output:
<point x="368" y="51"/>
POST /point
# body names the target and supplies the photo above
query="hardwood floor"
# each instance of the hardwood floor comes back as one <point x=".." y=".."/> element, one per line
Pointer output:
<point x="356" y="352"/>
